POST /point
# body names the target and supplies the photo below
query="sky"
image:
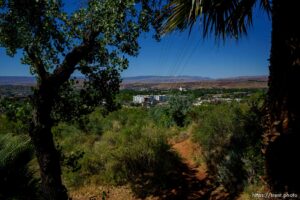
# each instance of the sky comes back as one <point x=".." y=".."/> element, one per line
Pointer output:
<point x="180" y="54"/>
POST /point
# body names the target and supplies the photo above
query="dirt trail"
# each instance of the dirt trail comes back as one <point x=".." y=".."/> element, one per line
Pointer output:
<point x="187" y="151"/>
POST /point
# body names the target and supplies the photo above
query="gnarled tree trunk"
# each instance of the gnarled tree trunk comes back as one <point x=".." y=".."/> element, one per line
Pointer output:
<point x="41" y="136"/>
<point x="282" y="140"/>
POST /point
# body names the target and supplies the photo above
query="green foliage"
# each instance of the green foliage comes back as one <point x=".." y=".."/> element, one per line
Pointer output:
<point x="120" y="147"/>
<point x="17" y="180"/>
<point x="178" y="108"/>
<point x="16" y="115"/>
<point x="175" y="113"/>
<point x="216" y="126"/>
<point x="160" y="116"/>
<point x="125" y="96"/>
<point x="135" y="153"/>
<point x="126" y="117"/>
<point x="230" y="136"/>
<point x="132" y="142"/>
<point x="93" y="122"/>
<point x="94" y="39"/>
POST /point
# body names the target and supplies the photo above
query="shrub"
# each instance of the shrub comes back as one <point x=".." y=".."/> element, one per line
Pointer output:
<point x="121" y="157"/>
<point x="216" y="126"/>
<point x="130" y="147"/>
<point x="148" y="153"/>
<point x="230" y="135"/>
<point x="15" y="114"/>
<point x="160" y="116"/>
<point x="178" y="109"/>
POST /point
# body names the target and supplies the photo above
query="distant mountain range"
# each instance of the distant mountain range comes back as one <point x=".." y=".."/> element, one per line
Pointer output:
<point x="246" y="78"/>
<point x="19" y="80"/>
<point x="163" y="79"/>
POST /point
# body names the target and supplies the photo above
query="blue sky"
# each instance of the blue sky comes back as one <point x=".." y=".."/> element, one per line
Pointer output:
<point x="180" y="54"/>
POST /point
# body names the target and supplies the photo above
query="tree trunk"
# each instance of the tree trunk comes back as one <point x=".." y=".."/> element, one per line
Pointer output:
<point x="282" y="139"/>
<point x="47" y="155"/>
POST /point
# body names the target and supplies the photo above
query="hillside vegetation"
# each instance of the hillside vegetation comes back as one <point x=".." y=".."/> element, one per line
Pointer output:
<point x="131" y="152"/>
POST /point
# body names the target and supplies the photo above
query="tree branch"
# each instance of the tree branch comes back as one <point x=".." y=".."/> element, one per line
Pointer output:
<point x="37" y="63"/>
<point x="78" y="53"/>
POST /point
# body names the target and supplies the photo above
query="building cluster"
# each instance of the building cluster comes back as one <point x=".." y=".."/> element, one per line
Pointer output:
<point x="149" y="99"/>
<point x="215" y="99"/>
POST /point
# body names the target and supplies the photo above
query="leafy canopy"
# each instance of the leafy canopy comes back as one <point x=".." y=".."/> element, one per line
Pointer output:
<point x="94" y="40"/>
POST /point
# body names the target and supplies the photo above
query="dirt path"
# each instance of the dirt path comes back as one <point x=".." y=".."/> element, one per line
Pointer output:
<point x="187" y="151"/>
<point x="196" y="175"/>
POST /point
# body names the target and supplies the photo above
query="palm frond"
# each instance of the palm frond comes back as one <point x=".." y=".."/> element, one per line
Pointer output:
<point x="13" y="148"/>
<point x="17" y="180"/>
<point x="223" y="18"/>
<point x="266" y="5"/>
<point x="180" y="15"/>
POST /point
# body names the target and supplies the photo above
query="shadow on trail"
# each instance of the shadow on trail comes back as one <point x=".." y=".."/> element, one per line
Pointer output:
<point x="180" y="183"/>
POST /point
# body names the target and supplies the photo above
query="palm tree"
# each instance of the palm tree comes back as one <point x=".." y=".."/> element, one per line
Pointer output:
<point x="232" y="18"/>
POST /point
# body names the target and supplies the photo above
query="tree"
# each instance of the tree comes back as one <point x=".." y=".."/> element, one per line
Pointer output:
<point x="232" y="19"/>
<point x="56" y="42"/>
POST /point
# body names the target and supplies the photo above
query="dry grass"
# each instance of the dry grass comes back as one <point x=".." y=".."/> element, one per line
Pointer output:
<point x="96" y="192"/>
<point x="200" y="84"/>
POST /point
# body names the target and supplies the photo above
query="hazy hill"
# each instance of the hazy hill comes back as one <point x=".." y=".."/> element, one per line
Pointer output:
<point x="163" y="79"/>
<point x="192" y="82"/>
<point x="17" y="80"/>
<point x="165" y="82"/>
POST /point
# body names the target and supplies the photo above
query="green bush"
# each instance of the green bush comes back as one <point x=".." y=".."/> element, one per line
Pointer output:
<point x="175" y="113"/>
<point x="215" y="128"/>
<point x="178" y="108"/>
<point x="145" y="151"/>
<point x="8" y="125"/>
<point x="121" y="157"/>
<point x="230" y="136"/>
<point x="129" y="147"/>
<point x="15" y="115"/>
<point x="160" y="116"/>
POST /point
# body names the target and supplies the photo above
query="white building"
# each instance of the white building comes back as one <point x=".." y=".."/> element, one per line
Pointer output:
<point x="152" y="99"/>
<point x="160" y="98"/>
<point x="181" y="89"/>
<point x="139" y="99"/>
